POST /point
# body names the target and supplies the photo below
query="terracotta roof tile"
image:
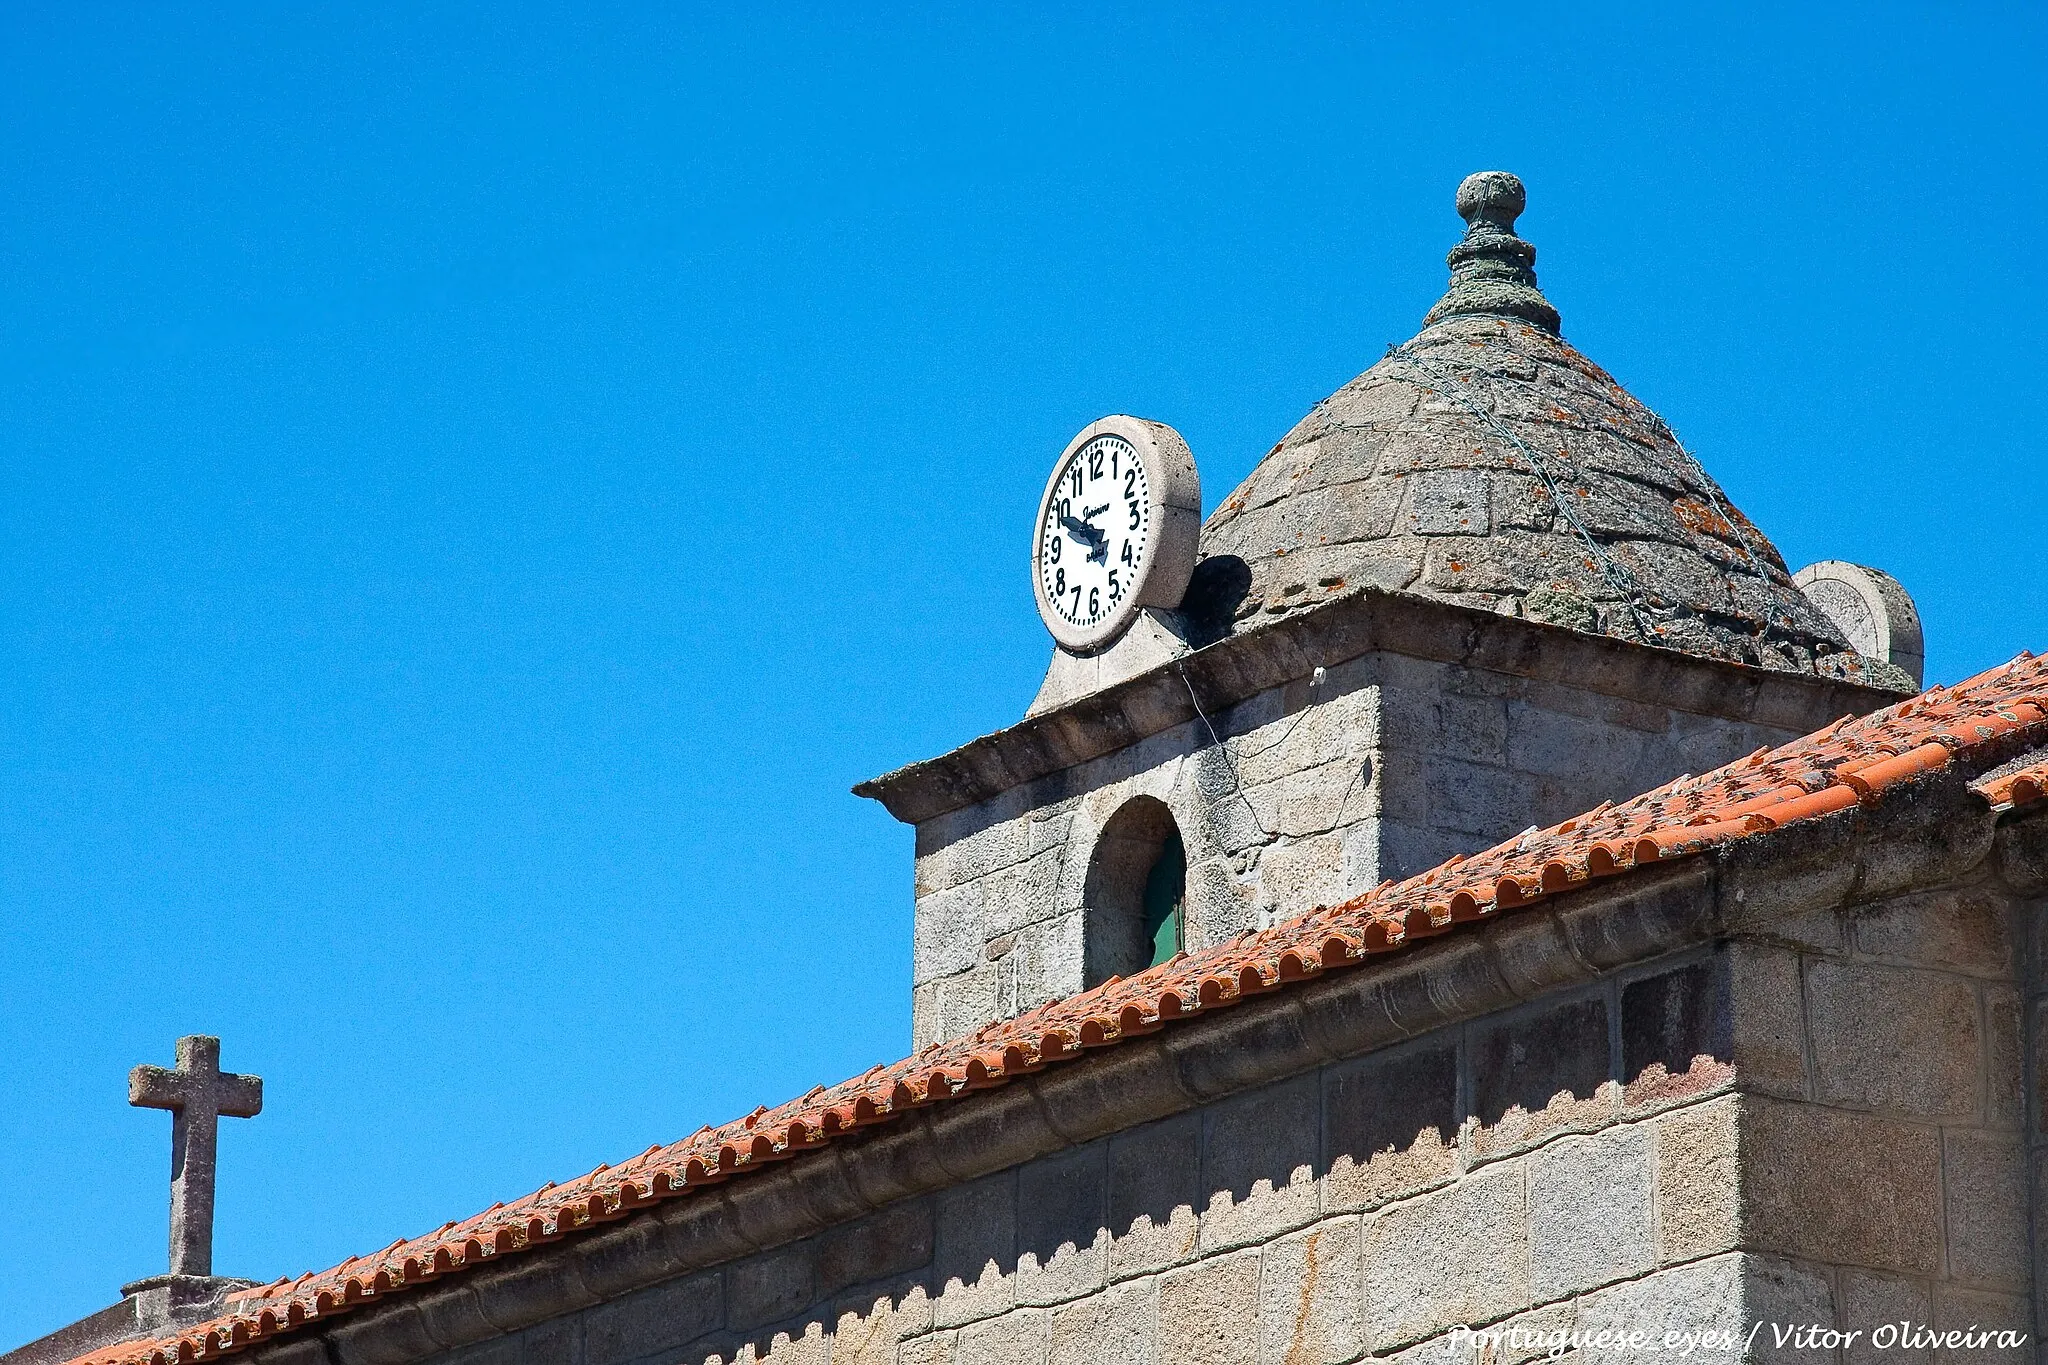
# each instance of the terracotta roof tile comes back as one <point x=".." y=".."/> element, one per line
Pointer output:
<point x="2021" y="785"/>
<point x="1977" y="723"/>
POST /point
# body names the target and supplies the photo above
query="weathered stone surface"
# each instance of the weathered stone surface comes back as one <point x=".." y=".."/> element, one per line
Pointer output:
<point x="1852" y="1189"/>
<point x="1730" y="1293"/>
<point x="1448" y="502"/>
<point x="1209" y="1311"/>
<point x="1705" y="1296"/>
<point x="1063" y="1225"/>
<point x="1591" y="753"/>
<point x="771" y="1286"/>
<point x="658" y="1318"/>
<point x="1781" y="1292"/>
<point x="558" y="1340"/>
<point x="517" y="1295"/>
<point x="2004" y="1067"/>
<point x="804" y="1343"/>
<point x="1868" y="1301"/>
<point x="1985" y="1182"/>
<point x="1441" y="982"/>
<point x="1698" y="1189"/>
<point x="1390" y="1125"/>
<point x="1533" y="956"/>
<point x="936" y="1349"/>
<point x="1128" y="1085"/>
<point x="391" y="1338"/>
<point x="1021" y="1337"/>
<point x="1894" y="1039"/>
<point x="976" y="1250"/>
<point x="1453" y="417"/>
<point x="1322" y="869"/>
<point x="2022" y="852"/>
<point x="887" y="1242"/>
<point x="1768" y="1013"/>
<point x="1472" y="728"/>
<point x="1961" y="928"/>
<point x="1455" y="1255"/>
<point x="870" y="1333"/>
<point x="1676" y="1036"/>
<point x="1119" y="1326"/>
<point x="1790" y="885"/>
<point x="1155" y="1192"/>
<point x="1591" y="1218"/>
<point x="1964" y="1310"/>
<point x="1259" y="1164"/>
<point x="627" y="1256"/>
<point x="1309" y="1302"/>
<point x="198" y="1094"/>
<point x="1539" y="1073"/>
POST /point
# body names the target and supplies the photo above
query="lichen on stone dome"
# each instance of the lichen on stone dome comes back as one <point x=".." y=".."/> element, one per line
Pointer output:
<point x="1487" y="462"/>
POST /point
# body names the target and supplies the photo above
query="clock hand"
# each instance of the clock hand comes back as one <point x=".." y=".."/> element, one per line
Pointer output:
<point x="1096" y="540"/>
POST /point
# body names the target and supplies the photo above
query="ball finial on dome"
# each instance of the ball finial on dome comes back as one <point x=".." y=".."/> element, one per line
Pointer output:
<point x="1494" y="197"/>
<point x="1493" y="271"/>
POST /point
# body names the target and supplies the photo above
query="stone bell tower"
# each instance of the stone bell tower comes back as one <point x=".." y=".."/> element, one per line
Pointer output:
<point x="1478" y="589"/>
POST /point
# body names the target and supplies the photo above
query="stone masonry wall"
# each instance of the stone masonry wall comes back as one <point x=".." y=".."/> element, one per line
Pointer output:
<point x="1815" y="1130"/>
<point x="1738" y="1094"/>
<point x="1387" y="767"/>
<point x="1567" y="1162"/>
<point x="1880" y="1129"/>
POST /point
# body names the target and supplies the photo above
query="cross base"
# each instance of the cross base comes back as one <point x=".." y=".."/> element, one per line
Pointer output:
<point x="186" y="1289"/>
<point x="148" y="1308"/>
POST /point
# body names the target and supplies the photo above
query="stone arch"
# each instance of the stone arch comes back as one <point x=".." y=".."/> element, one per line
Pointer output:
<point x="1135" y="892"/>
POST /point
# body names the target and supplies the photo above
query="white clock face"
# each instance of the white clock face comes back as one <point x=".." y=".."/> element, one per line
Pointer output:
<point x="1096" y="532"/>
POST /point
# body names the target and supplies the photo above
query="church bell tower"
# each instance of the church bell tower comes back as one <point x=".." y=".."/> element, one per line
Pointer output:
<point x="1479" y="588"/>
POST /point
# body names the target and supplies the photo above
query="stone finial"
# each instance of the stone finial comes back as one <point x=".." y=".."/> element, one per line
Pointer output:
<point x="1493" y="271"/>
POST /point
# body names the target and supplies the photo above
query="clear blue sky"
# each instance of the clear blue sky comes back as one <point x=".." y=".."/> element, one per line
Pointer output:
<point x="479" y="485"/>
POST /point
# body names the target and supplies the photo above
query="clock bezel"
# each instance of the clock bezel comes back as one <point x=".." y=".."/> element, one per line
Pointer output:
<point x="1174" y="492"/>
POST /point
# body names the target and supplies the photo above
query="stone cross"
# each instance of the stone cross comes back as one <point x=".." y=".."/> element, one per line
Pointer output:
<point x="198" y="1093"/>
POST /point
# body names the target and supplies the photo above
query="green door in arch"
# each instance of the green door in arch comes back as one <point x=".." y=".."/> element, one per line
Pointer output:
<point x="1165" y="891"/>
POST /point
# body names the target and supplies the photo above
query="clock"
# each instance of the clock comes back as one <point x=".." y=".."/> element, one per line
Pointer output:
<point x="1117" y="531"/>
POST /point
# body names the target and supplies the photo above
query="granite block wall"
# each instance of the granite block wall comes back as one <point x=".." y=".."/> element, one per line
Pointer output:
<point x="1809" y="1109"/>
<point x="1317" y="791"/>
<point x="1683" y="1148"/>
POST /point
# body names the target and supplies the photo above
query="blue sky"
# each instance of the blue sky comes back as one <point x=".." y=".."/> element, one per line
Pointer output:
<point x="478" y="485"/>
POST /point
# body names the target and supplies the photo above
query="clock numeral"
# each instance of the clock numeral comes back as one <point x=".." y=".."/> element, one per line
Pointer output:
<point x="1126" y="555"/>
<point x="1053" y="551"/>
<point x="1114" y="455"/>
<point x="1116" y="589"/>
<point x="1095" y="464"/>
<point x="1094" y="601"/>
<point x="1134" y="514"/>
<point x="1075" y="478"/>
<point x="1059" y="582"/>
<point x="1131" y="482"/>
<point x="1077" y="599"/>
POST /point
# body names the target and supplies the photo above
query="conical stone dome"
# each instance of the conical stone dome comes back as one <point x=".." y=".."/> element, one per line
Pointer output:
<point x="1487" y="462"/>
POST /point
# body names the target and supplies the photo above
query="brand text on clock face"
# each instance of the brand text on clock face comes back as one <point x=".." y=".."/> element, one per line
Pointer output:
<point x="1097" y="526"/>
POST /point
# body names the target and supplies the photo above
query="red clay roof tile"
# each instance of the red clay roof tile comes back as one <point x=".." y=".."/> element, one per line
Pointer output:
<point x="1977" y="722"/>
<point x="2021" y="787"/>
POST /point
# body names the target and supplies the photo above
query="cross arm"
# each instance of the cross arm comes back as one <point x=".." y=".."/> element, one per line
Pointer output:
<point x="240" y="1097"/>
<point x="156" y="1087"/>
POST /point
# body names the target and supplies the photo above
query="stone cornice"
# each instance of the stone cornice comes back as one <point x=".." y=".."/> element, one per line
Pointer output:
<point x="1362" y="621"/>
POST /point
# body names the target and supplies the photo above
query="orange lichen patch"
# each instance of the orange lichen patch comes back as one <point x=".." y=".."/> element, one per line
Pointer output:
<point x="1853" y="763"/>
<point x="1700" y="518"/>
